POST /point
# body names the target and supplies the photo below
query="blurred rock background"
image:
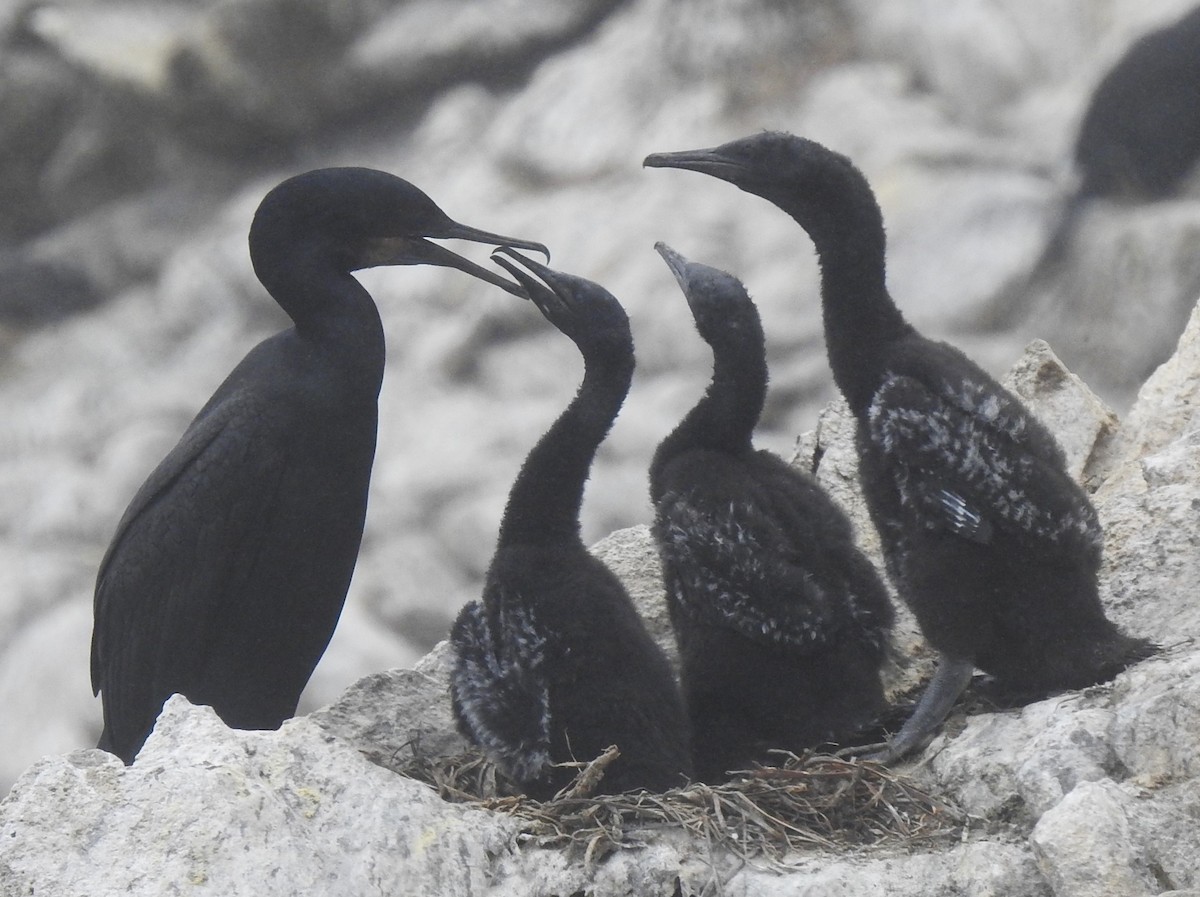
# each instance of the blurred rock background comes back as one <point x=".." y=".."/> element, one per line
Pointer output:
<point x="137" y="139"/>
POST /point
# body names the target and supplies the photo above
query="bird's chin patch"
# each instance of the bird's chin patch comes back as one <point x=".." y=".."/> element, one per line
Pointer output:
<point x="383" y="251"/>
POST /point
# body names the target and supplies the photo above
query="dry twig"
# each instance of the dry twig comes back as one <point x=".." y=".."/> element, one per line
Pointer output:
<point x="806" y="802"/>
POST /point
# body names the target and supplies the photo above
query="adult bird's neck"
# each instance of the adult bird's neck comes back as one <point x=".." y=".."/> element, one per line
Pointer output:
<point x="544" y="503"/>
<point x="334" y="314"/>
<point x="725" y="418"/>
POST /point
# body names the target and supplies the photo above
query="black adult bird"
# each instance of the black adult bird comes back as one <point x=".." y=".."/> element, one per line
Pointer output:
<point x="1138" y="139"/>
<point x="780" y="619"/>
<point x="227" y="574"/>
<point x="554" y="664"/>
<point x="986" y="537"/>
<point x="1140" y="134"/>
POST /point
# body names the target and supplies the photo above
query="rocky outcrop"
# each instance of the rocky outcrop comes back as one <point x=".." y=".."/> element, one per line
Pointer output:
<point x="1084" y="794"/>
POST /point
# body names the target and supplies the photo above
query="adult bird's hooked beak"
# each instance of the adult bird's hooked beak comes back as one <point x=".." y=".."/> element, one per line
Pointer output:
<point x="418" y="250"/>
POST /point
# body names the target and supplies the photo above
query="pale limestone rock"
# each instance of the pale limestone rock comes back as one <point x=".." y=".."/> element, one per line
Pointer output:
<point x="1021" y="762"/>
<point x="1157" y="718"/>
<point x="215" y="811"/>
<point x="26" y="678"/>
<point x="358" y="638"/>
<point x="1167" y="841"/>
<point x="397" y="711"/>
<point x="121" y="42"/>
<point x="1067" y="842"/>
<point x="420" y="43"/>
<point x="1167" y="402"/>
<point x="1150" y="569"/>
<point x="218" y="811"/>
<point x="1081" y="423"/>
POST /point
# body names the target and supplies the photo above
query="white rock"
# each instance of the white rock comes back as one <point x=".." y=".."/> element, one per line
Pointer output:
<point x="215" y="811"/>
<point x="1157" y="721"/>
<point x="1081" y="423"/>
<point x="1066" y="838"/>
<point x="399" y="710"/>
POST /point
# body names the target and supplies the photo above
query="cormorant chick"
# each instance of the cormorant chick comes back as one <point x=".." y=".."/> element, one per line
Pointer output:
<point x="227" y="574"/>
<point x="989" y="541"/>
<point x="780" y="619"/>
<point x="554" y="665"/>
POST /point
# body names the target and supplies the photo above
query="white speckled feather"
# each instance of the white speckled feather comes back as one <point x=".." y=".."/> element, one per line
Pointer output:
<point x="968" y="461"/>
<point x="722" y="568"/>
<point x="499" y="688"/>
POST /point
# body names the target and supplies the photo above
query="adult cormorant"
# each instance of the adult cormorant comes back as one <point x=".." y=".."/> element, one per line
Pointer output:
<point x="227" y="574"/>
<point x="1138" y="139"/>
<point x="781" y="621"/>
<point x="1140" y="134"/>
<point x="989" y="541"/>
<point x="554" y="664"/>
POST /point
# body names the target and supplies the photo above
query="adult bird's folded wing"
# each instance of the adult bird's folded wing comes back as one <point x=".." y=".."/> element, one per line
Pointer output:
<point x="156" y="617"/>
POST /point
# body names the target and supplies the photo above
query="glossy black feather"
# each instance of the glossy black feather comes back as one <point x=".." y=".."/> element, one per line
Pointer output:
<point x="554" y="664"/>
<point x="780" y="619"/>
<point x="226" y="575"/>
<point x="987" y="538"/>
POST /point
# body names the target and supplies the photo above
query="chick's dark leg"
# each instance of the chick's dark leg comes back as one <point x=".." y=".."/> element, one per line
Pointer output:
<point x="949" y="680"/>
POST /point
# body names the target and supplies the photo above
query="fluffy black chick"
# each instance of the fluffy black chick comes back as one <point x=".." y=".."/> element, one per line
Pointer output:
<point x="781" y="621"/>
<point x="554" y="664"/>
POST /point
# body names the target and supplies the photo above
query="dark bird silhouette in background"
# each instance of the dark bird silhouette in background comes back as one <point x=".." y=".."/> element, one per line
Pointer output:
<point x="1138" y="139"/>
<point x="781" y="621"/>
<point x="227" y="574"/>
<point x="554" y="664"/>
<point x="986" y="537"/>
<point x="1140" y="135"/>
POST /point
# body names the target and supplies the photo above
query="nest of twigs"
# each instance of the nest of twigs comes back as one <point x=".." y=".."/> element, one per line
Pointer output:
<point x="815" y="801"/>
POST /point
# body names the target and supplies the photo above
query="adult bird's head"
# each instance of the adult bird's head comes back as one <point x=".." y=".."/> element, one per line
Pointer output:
<point x="820" y="189"/>
<point x="720" y="305"/>
<point x="582" y="310"/>
<point x="346" y="219"/>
